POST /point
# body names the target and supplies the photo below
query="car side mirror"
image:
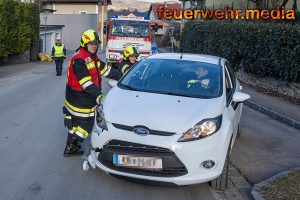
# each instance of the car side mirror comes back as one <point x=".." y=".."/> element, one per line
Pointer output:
<point x="112" y="82"/>
<point x="240" y="97"/>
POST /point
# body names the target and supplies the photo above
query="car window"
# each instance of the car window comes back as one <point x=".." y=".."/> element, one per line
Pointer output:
<point x="231" y="74"/>
<point x="175" y="77"/>
<point x="129" y="28"/>
<point x="229" y="86"/>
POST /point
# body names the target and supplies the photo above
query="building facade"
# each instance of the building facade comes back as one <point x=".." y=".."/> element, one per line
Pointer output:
<point x="48" y="36"/>
<point x="76" y="16"/>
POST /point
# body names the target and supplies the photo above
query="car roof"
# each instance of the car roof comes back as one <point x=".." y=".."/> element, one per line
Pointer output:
<point x="187" y="56"/>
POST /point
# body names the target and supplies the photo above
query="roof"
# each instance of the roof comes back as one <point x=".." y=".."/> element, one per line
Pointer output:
<point x="171" y="6"/>
<point x="50" y="27"/>
<point x="48" y="10"/>
<point x="187" y="56"/>
<point x="109" y="2"/>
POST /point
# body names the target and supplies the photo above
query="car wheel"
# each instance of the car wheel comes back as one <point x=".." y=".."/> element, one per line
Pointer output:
<point x="220" y="183"/>
<point x="238" y="132"/>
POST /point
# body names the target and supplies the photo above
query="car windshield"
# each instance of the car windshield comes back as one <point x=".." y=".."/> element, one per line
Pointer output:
<point x="175" y="77"/>
<point x="126" y="28"/>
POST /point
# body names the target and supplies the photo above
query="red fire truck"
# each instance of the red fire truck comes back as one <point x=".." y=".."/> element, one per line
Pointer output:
<point x="128" y="30"/>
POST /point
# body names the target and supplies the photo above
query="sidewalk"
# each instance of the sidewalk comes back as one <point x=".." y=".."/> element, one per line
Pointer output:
<point x="274" y="107"/>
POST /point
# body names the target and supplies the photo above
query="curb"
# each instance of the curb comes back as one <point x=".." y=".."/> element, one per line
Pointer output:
<point x="238" y="188"/>
<point x="267" y="111"/>
<point x="255" y="190"/>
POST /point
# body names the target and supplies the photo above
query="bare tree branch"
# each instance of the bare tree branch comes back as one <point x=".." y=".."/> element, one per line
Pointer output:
<point x="284" y="2"/>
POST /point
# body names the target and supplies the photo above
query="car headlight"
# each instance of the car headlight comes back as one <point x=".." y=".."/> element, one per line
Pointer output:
<point x="202" y="129"/>
<point x="100" y="119"/>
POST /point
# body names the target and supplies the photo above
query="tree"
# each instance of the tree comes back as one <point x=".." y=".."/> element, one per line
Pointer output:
<point x="267" y="3"/>
<point x="284" y="2"/>
<point x="274" y="3"/>
<point x="41" y="3"/>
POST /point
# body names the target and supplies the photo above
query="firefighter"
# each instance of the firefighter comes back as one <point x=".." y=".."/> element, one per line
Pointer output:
<point x="201" y="78"/>
<point x="59" y="54"/>
<point x="130" y="56"/>
<point x="204" y="82"/>
<point x="83" y="91"/>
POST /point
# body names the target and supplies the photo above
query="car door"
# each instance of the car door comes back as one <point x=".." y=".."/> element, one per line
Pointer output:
<point x="231" y="88"/>
<point x="237" y="107"/>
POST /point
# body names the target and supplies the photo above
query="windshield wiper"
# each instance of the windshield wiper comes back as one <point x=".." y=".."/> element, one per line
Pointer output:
<point x="140" y="34"/>
<point x="128" y="87"/>
<point x="176" y="94"/>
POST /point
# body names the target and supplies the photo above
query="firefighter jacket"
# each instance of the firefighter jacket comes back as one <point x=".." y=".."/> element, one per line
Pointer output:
<point x="124" y="66"/>
<point x="58" y="51"/>
<point x="84" y="83"/>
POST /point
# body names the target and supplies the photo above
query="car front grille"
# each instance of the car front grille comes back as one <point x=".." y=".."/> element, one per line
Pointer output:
<point x="172" y="166"/>
<point x="152" y="132"/>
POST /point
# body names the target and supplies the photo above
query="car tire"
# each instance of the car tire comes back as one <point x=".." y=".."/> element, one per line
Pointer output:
<point x="220" y="183"/>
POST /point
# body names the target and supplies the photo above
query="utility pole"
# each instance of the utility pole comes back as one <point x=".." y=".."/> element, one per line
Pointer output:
<point x="45" y="33"/>
<point x="102" y="3"/>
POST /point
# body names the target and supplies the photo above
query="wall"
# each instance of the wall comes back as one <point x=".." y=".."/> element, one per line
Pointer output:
<point x="17" y="58"/>
<point x="75" y="25"/>
<point x="75" y="8"/>
<point x="51" y="36"/>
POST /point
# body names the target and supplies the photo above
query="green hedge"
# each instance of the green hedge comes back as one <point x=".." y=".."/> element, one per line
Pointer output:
<point x="19" y="27"/>
<point x="264" y="49"/>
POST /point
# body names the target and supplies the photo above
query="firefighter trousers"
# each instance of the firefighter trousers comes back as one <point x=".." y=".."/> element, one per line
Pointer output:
<point x="82" y="127"/>
<point x="59" y="65"/>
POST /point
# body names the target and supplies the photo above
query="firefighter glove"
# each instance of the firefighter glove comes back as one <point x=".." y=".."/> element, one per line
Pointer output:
<point x="100" y="98"/>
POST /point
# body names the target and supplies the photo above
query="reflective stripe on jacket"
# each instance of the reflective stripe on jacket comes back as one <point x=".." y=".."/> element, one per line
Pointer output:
<point x="92" y="64"/>
<point x="58" y="51"/>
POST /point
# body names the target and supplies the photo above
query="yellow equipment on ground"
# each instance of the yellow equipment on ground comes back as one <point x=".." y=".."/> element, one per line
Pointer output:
<point x="45" y="57"/>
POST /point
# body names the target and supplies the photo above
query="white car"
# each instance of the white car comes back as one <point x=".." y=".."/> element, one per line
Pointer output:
<point x="164" y="122"/>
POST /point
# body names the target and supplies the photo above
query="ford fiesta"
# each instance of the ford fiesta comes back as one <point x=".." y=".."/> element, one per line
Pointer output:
<point x="172" y="118"/>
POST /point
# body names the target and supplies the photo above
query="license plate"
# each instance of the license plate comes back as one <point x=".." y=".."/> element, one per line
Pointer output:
<point x="137" y="162"/>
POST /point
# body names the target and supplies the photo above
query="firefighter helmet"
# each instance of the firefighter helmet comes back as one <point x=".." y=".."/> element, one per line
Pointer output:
<point x="89" y="37"/>
<point x="130" y="51"/>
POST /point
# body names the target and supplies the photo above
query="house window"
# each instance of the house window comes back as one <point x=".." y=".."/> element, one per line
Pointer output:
<point x="82" y="12"/>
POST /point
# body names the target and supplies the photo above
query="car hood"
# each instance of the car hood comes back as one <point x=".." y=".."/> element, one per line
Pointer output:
<point x="158" y="111"/>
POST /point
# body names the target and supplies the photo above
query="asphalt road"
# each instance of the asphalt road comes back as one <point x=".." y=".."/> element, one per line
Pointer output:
<point x="265" y="148"/>
<point x="32" y="140"/>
